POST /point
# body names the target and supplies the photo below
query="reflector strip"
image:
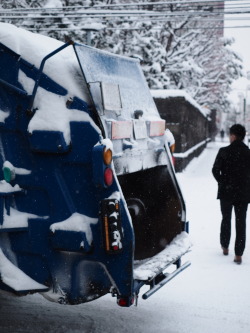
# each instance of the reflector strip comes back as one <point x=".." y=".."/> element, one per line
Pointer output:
<point x="121" y="130"/>
<point x="157" y="128"/>
<point x="106" y="226"/>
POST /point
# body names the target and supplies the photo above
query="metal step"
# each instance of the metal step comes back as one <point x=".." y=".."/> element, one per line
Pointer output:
<point x="165" y="279"/>
<point x="147" y="269"/>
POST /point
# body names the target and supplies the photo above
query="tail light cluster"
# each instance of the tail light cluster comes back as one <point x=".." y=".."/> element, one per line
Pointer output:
<point x="108" y="172"/>
<point x="112" y="231"/>
<point x="102" y="170"/>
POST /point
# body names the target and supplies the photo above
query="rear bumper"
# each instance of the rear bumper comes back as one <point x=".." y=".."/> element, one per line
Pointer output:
<point x="153" y="271"/>
<point x="147" y="269"/>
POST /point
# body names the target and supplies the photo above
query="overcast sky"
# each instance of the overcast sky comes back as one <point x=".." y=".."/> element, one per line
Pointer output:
<point x="241" y="35"/>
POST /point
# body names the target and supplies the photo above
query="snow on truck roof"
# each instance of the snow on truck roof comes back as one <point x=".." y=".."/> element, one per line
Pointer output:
<point x="34" y="47"/>
<point x="64" y="69"/>
<point x="52" y="113"/>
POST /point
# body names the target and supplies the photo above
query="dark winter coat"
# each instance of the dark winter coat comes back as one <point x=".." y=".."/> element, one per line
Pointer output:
<point x="231" y="169"/>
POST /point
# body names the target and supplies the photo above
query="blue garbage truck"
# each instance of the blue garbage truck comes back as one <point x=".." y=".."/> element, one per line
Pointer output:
<point x="89" y="200"/>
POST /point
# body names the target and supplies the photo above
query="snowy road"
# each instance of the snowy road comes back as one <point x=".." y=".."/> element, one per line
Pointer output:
<point x="211" y="296"/>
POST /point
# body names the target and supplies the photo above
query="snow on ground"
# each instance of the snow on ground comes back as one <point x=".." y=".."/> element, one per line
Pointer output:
<point x="211" y="296"/>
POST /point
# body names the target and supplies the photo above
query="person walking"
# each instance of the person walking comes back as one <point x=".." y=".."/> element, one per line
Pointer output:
<point x="222" y="133"/>
<point x="231" y="170"/>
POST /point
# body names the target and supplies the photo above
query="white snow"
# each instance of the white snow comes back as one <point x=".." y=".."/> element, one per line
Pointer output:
<point x="147" y="269"/>
<point x="53" y="4"/>
<point x="15" y="170"/>
<point x="3" y="116"/>
<point x="52" y="113"/>
<point x="107" y="143"/>
<point x="115" y="195"/>
<point x="169" y="138"/>
<point x="167" y="93"/>
<point x="211" y="296"/>
<point x="15" y="278"/>
<point x="34" y="47"/>
<point x="16" y="219"/>
<point x="8" y="188"/>
<point x="76" y="222"/>
<point x="190" y="151"/>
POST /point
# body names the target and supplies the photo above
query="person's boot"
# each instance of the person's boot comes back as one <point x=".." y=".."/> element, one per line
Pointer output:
<point x="238" y="260"/>
<point x="225" y="251"/>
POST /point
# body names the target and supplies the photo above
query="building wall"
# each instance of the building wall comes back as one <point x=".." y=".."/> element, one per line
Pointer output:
<point x="188" y="125"/>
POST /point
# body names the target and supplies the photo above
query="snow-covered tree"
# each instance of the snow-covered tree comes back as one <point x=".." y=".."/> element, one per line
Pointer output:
<point x="183" y="49"/>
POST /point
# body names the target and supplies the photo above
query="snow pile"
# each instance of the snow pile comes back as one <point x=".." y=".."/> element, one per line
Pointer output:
<point x="13" y="277"/>
<point x="76" y="222"/>
<point x="115" y="195"/>
<point x="16" y="219"/>
<point x="15" y="170"/>
<point x="8" y="188"/>
<point x="147" y="269"/>
<point x="3" y="116"/>
<point x="191" y="150"/>
<point x="107" y="143"/>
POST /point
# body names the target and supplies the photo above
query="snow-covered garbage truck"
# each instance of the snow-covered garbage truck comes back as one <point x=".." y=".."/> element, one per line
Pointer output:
<point x="90" y="203"/>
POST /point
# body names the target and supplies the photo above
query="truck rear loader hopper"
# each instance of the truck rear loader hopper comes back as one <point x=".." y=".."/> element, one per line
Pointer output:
<point x="89" y="200"/>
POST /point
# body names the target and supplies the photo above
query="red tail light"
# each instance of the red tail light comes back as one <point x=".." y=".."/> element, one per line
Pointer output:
<point x="125" y="302"/>
<point x="108" y="176"/>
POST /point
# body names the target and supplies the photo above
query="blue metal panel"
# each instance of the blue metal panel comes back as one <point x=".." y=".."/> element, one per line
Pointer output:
<point x="60" y="183"/>
<point x="9" y="65"/>
<point x="48" y="142"/>
<point x="73" y="241"/>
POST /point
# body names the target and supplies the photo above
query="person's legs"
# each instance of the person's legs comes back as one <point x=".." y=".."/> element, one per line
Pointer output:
<point x="225" y="230"/>
<point x="240" y="225"/>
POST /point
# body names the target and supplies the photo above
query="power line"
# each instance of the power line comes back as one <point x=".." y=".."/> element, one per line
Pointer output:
<point x="153" y="19"/>
<point x="106" y="16"/>
<point x="141" y="4"/>
<point x="120" y="14"/>
<point x="215" y="4"/>
<point x="139" y="29"/>
<point x="123" y="15"/>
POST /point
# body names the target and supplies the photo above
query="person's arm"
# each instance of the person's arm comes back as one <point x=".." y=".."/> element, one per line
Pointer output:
<point x="216" y="170"/>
